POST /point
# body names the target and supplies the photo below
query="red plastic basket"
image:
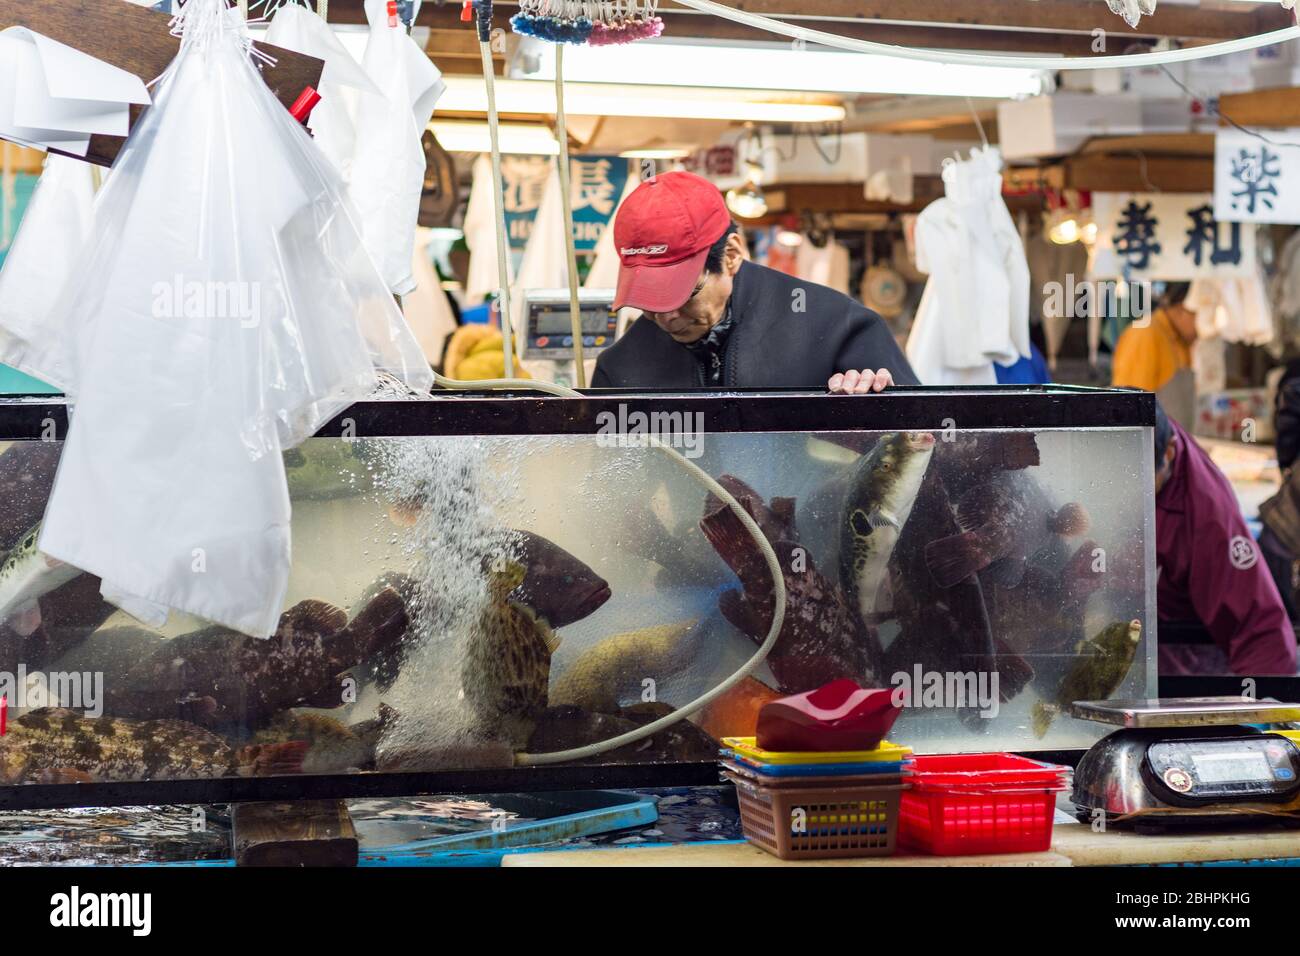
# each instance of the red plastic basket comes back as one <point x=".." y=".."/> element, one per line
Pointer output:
<point x="979" y="803"/>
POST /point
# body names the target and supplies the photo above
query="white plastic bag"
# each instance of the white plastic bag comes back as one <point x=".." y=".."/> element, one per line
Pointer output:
<point x="298" y="28"/>
<point x="388" y="167"/>
<point x="45" y="253"/>
<point x="225" y="309"/>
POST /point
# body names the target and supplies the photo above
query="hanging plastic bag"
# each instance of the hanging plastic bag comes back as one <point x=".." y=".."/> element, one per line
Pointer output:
<point x="33" y="336"/>
<point x="298" y="28"/>
<point x="225" y="310"/>
<point x="388" y="168"/>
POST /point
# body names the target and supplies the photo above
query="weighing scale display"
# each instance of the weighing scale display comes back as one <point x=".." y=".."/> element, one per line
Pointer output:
<point x="549" y="331"/>
<point x="555" y="322"/>
<point x="1221" y="768"/>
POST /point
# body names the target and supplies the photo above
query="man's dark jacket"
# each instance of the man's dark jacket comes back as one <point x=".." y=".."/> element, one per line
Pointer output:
<point x="788" y="333"/>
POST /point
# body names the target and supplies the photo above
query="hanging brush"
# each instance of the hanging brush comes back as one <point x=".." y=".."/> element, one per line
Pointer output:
<point x="595" y="22"/>
<point x="625" y="22"/>
<point x="556" y="21"/>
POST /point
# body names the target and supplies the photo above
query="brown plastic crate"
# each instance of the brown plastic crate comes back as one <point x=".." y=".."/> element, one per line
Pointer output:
<point x="836" y="821"/>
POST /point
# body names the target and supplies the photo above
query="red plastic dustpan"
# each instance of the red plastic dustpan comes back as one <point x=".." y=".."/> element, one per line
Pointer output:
<point x="838" y="716"/>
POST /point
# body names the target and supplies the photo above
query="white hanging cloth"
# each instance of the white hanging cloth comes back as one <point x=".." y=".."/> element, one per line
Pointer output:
<point x="974" y="311"/>
<point x="426" y="308"/>
<point x="603" y="273"/>
<point x="1210" y="365"/>
<point x="481" y="235"/>
<point x="224" y="308"/>
<point x="299" y="28"/>
<point x="35" y="337"/>
<point x="827" y="265"/>
<point x="389" y="162"/>
<point x="545" y="264"/>
<point x="1235" y="310"/>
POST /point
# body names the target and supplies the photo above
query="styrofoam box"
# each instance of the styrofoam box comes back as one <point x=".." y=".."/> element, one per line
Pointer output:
<point x="1170" y="115"/>
<point x="856" y="156"/>
<point x="1057" y="124"/>
<point x="1222" y="74"/>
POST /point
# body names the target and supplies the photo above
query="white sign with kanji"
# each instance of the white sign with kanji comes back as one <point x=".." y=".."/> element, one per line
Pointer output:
<point x="1257" y="179"/>
<point x="1167" y="236"/>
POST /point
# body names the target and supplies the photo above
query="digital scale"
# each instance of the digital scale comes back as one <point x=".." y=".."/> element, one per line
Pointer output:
<point x="548" y="330"/>
<point x="1189" y="761"/>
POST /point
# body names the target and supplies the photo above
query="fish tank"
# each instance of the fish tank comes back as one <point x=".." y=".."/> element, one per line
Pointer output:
<point x="509" y="592"/>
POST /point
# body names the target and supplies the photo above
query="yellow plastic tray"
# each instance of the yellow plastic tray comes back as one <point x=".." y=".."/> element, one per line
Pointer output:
<point x="885" y="753"/>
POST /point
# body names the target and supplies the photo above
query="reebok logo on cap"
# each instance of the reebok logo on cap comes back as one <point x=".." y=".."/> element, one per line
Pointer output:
<point x="663" y="232"/>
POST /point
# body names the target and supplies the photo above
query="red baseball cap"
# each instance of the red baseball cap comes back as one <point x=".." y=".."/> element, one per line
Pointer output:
<point x="663" y="232"/>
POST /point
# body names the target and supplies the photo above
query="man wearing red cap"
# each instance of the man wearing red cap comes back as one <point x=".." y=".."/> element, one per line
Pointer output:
<point x="711" y="319"/>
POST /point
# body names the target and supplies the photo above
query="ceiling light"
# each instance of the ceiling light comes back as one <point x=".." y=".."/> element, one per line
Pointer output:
<point x="471" y="137"/>
<point x="747" y="201"/>
<point x="1064" y="231"/>
<point x="466" y="94"/>
<point x="662" y="153"/>
<point x="712" y="66"/>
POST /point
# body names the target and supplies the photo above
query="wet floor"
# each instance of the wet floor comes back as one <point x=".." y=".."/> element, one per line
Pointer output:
<point x="168" y="834"/>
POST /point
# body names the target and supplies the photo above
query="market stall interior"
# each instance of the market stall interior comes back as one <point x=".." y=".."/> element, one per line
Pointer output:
<point x="308" y="496"/>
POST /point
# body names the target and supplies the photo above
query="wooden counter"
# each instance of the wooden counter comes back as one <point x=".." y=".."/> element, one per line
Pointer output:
<point x="1072" y="845"/>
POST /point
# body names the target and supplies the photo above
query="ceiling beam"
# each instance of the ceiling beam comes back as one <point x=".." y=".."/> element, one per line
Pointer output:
<point x="1127" y="173"/>
<point x="1044" y="26"/>
<point x="1278" y="107"/>
<point x="1077" y="16"/>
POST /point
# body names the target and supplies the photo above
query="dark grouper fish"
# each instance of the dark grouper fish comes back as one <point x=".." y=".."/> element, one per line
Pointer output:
<point x="219" y="677"/>
<point x="821" y="638"/>
<point x="559" y="587"/>
<point x="885" y="485"/>
<point x="55" y="745"/>
<point x="1004" y="522"/>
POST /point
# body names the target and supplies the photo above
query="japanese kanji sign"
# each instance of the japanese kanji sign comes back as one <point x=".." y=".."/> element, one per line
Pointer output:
<point x="1256" y="180"/>
<point x="523" y="181"/>
<point x="1169" y="236"/>
<point x="596" y="184"/>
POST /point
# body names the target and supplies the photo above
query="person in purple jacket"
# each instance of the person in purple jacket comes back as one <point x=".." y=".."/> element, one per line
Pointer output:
<point x="1210" y="570"/>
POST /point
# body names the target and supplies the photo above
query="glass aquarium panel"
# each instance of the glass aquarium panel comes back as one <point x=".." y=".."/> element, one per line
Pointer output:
<point x="478" y="601"/>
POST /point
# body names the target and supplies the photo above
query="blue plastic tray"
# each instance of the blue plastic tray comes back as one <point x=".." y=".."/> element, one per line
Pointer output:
<point x="818" y="769"/>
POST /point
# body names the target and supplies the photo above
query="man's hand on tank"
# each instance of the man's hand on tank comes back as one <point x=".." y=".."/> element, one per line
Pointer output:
<point x="854" y="382"/>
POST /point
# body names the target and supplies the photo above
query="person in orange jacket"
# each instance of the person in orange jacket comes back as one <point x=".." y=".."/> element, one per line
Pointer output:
<point x="1149" y="354"/>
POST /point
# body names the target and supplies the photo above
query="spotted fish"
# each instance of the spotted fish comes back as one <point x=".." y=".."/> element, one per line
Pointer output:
<point x="56" y="745"/>
<point x="1100" y="667"/>
<point x="507" y="666"/>
<point x="27" y="575"/>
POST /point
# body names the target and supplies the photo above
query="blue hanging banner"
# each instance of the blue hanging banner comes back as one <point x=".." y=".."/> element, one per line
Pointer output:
<point x="596" y="184"/>
<point x="523" y="181"/>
